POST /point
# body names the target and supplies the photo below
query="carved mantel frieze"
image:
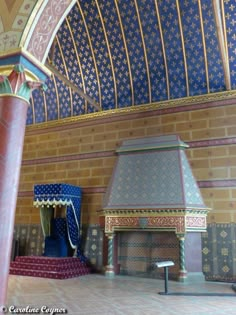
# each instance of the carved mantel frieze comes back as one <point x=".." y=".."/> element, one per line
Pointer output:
<point x="180" y="221"/>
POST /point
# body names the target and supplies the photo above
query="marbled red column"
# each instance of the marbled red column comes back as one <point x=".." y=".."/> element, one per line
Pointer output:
<point x="13" y="112"/>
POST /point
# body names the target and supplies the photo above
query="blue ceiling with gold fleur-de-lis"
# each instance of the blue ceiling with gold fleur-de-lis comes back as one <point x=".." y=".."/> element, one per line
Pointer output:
<point x="126" y="53"/>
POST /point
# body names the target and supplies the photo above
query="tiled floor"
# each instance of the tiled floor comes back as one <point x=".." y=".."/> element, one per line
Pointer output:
<point x="123" y="295"/>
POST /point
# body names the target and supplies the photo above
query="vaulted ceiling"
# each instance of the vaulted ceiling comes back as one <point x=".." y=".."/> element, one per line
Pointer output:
<point x="119" y="54"/>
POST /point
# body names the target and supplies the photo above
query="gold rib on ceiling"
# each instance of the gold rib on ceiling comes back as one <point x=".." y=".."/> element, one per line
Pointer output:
<point x="126" y="52"/>
<point x="109" y="53"/>
<point x="45" y="106"/>
<point x="224" y="24"/>
<point x="221" y="35"/>
<point x="183" y="47"/>
<point x="92" y="52"/>
<point x="66" y="70"/>
<point x="144" y="51"/>
<point x="58" y="102"/>
<point x="163" y="49"/>
<point x="226" y="42"/>
<point x="73" y="87"/>
<point x="57" y="95"/>
<point x="79" y="64"/>
<point x="204" y="45"/>
<point x="33" y="109"/>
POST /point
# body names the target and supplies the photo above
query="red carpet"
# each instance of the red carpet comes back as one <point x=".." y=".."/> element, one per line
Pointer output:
<point x="48" y="267"/>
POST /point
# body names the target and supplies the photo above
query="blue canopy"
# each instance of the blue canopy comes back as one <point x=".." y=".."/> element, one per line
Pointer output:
<point x="52" y="195"/>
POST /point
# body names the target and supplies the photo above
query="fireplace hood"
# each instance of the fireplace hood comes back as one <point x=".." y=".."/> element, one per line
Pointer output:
<point x="152" y="188"/>
<point x="153" y="173"/>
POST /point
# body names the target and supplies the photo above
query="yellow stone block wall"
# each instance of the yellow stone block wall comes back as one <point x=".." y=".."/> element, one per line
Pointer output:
<point x="83" y="153"/>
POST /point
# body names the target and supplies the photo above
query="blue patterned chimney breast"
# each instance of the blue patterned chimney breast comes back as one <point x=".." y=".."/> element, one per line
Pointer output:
<point x="153" y="173"/>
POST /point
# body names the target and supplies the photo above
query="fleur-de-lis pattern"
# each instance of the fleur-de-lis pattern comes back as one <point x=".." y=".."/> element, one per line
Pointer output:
<point x="128" y="53"/>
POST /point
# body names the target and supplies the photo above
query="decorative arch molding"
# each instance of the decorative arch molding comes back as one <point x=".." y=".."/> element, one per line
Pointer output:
<point x="43" y="25"/>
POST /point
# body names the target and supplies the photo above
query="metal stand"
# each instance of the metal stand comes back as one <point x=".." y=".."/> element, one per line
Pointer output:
<point x="165" y="265"/>
<point x="166" y="279"/>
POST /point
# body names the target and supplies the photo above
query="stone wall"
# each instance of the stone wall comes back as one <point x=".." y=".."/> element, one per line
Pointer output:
<point x="83" y="153"/>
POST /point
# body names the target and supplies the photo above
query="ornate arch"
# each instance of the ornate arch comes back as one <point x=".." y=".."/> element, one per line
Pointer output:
<point x="43" y="25"/>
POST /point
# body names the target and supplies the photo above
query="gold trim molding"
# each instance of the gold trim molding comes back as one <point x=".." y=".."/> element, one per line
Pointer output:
<point x="24" y="53"/>
<point x="152" y="212"/>
<point x="187" y="101"/>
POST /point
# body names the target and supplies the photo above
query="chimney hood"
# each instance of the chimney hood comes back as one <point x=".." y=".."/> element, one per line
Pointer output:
<point x="153" y="173"/>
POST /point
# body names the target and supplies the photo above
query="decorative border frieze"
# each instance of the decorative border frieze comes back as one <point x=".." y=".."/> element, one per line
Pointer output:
<point x="180" y="223"/>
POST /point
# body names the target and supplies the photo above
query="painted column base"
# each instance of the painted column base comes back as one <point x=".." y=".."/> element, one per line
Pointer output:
<point x="183" y="276"/>
<point x="109" y="271"/>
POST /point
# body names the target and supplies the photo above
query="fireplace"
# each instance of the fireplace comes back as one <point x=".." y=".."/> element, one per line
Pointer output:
<point x="152" y="188"/>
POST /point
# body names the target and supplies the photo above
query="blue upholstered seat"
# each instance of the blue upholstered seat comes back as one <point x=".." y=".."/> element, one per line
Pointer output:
<point x="56" y="245"/>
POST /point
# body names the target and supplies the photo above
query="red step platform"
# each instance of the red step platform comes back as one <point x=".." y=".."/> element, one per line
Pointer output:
<point x="49" y="267"/>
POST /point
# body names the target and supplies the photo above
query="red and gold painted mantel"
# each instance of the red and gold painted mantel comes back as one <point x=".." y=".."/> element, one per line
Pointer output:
<point x="179" y="221"/>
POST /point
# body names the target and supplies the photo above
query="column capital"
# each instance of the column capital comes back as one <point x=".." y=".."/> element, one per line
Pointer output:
<point x="110" y="235"/>
<point x="33" y="67"/>
<point x="16" y="83"/>
<point x="181" y="236"/>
